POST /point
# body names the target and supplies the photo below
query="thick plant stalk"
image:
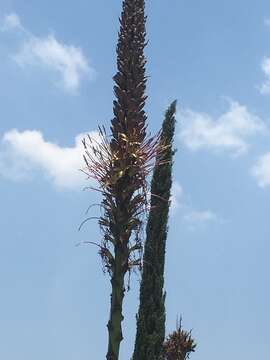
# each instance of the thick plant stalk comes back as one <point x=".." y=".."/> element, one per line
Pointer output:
<point x="116" y="317"/>
<point x="128" y="133"/>
<point x="151" y="316"/>
<point x="120" y="164"/>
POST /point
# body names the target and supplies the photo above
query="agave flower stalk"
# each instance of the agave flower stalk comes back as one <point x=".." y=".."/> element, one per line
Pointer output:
<point x="120" y="164"/>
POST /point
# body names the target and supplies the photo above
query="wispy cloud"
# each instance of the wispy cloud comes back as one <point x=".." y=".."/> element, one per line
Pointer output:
<point x="23" y="152"/>
<point x="265" y="66"/>
<point x="176" y="197"/>
<point x="200" y="216"/>
<point x="261" y="170"/>
<point x="11" y="22"/>
<point x="228" y="132"/>
<point x="47" y="52"/>
<point x="196" y="219"/>
<point x="192" y="217"/>
<point x="266" y="21"/>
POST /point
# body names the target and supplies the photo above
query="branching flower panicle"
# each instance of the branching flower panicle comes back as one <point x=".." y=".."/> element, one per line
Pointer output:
<point x="123" y="167"/>
<point x="179" y="345"/>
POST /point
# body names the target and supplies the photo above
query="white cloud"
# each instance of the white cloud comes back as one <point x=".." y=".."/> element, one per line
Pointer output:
<point x="49" y="53"/>
<point x="265" y="88"/>
<point x="27" y="150"/>
<point x="230" y="131"/>
<point x="12" y="21"/>
<point x="261" y="170"/>
<point x="68" y="61"/>
<point x="200" y="216"/>
<point x="198" y="219"/>
<point x="191" y="216"/>
<point x="176" y="197"/>
<point x="265" y="67"/>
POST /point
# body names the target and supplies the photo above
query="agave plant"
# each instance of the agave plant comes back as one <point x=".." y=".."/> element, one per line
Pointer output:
<point x="120" y="163"/>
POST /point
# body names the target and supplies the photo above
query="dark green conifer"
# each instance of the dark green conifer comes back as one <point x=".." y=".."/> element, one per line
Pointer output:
<point x="151" y="316"/>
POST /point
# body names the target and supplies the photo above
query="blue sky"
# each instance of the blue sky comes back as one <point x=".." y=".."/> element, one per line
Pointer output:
<point x="57" y="63"/>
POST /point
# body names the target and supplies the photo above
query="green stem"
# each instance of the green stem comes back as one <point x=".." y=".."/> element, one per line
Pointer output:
<point x="116" y="317"/>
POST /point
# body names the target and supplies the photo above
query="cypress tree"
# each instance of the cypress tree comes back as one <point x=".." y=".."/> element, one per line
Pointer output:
<point x="120" y="163"/>
<point x="151" y="315"/>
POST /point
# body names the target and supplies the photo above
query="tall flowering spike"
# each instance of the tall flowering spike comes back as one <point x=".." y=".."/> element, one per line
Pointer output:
<point x="120" y="164"/>
<point x="130" y="80"/>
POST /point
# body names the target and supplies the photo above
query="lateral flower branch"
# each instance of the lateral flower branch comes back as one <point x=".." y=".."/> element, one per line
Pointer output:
<point x="121" y="176"/>
<point x="179" y="345"/>
<point x="120" y="163"/>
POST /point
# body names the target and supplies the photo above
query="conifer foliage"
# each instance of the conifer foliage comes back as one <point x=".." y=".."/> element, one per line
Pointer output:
<point x="120" y="164"/>
<point x="151" y="316"/>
